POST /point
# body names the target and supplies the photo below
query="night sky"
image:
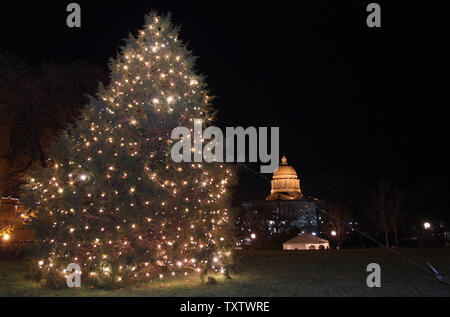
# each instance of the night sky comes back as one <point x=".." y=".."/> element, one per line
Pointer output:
<point x="351" y="102"/>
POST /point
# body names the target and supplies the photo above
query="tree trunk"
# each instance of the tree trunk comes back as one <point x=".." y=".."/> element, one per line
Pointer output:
<point x="38" y="146"/>
<point x="386" y="237"/>
<point x="396" y="237"/>
<point x="339" y="243"/>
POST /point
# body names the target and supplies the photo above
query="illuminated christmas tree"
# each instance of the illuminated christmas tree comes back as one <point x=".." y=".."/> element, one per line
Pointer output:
<point x="111" y="199"/>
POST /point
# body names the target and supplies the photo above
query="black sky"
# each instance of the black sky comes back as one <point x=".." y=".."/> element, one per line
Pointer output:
<point x="364" y="103"/>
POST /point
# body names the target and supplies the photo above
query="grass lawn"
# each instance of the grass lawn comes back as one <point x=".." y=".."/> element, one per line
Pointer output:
<point x="278" y="273"/>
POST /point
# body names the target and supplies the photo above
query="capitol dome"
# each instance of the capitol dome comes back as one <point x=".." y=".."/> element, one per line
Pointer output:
<point x="285" y="183"/>
<point x="285" y="171"/>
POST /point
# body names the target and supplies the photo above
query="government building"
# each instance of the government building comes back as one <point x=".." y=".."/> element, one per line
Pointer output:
<point x="283" y="214"/>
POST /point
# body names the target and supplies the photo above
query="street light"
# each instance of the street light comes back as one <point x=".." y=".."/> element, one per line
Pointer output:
<point x="427" y="225"/>
<point x="6" y="237"/>
<point x="333" y="233"/>
<point x="253" y="236"/>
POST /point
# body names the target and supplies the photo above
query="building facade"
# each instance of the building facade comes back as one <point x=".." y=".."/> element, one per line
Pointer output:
<point x="13" y="220"/>
<point x="285" y="212"/>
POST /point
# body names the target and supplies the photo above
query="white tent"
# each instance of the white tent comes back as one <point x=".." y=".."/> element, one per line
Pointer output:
<point x="306" y="241"/>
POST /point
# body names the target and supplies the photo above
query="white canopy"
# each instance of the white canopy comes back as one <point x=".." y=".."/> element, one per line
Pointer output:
<point x="306" y="241"/>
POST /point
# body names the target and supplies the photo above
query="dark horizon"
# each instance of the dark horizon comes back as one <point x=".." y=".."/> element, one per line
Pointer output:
<point x="355" y="104"/>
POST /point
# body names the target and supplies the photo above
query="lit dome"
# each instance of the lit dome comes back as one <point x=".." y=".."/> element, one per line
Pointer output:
<point x="285" y="183"/>
<point x="285" y="171"/>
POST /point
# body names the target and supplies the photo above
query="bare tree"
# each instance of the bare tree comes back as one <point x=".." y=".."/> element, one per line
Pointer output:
<point x="385" y="210"/>
<point x="397" y="216"/>
<point x="338" y="215"/>
<point x="36" y="105"/>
